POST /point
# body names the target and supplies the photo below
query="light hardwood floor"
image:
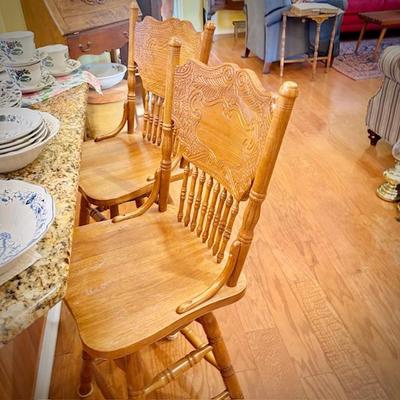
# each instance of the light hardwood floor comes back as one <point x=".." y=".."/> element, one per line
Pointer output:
<point x="321" y="316"/>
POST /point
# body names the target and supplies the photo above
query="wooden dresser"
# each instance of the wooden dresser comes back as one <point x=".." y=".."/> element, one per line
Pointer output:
<point x="86" y="26"/>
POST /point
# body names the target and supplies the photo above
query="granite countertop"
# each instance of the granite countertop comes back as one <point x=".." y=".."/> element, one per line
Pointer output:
<point x="29" y="295"/>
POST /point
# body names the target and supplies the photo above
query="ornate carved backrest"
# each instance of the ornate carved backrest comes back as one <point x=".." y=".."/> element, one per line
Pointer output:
<point x="151" y="49"/>
<point x="229" y="130"/>
<point x="151" y="54"/>
<point x="222" y="118"/>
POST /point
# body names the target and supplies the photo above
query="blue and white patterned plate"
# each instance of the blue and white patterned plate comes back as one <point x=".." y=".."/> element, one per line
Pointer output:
<point x="26" y="212"/>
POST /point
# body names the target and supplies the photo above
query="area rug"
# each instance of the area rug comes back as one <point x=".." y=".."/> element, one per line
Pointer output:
<point x="362" y="65"/>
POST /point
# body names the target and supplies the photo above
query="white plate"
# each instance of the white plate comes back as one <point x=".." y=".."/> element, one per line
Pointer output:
<point x="17" y="122"/>
<point x="108" y="74"/>
<point x="10" y="94"/>
<point x="26" y="212"/>
<point x="23" y="138"/>
<point x="47" y="80"/>
<point x="41" y="134"/>
<point x="21" y="158"/>
<point x="72" y="65"/>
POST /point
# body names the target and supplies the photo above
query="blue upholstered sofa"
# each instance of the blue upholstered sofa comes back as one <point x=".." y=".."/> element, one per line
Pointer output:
<point x="264" y="20"/>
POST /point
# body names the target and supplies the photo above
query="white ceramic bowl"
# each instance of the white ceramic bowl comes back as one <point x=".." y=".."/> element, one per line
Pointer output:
<point x="21" y="158"/>
<point x="108" y="74"/>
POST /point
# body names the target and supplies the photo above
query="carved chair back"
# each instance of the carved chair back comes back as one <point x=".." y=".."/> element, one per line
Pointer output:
<point x="230" y="130"/>
<point x="151" y="38"/>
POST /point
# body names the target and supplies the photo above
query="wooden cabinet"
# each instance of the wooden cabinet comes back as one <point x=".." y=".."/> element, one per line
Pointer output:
<point x="86" y="26"/>
<point x="19" y="361"/>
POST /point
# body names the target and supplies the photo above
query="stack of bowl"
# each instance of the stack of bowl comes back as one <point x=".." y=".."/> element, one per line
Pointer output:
<point x="23" y="135"/>
<point x="23" y="61"/>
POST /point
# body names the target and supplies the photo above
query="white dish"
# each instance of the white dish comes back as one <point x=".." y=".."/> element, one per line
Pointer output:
<point x="27" y="143"/>
<point x="21" y="158"/>
<point x="17" y="122"/>
<point x="24" y="138"/>
<point x="72" y="65"/>
<point x="46" y="81"/>
<point x="10" y="94"/>
<point x="108" y="74"/>
<point x="26" y="212"/>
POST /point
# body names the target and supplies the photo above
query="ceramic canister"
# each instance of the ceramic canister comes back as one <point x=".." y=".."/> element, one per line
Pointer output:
<point x="57" y="56"/>
<point x="25" y="74"/>
<point x="17" y="46"/>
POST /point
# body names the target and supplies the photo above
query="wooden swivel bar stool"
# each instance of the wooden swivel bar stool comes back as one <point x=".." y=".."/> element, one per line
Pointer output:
<point x="148" y="274"/>
<point x="117" y="168"/>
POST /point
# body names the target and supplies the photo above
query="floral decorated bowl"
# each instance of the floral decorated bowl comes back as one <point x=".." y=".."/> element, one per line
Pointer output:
<point x="108" y="74"/>
<point x="22" y="157"/>
<point x="26" y="212"/>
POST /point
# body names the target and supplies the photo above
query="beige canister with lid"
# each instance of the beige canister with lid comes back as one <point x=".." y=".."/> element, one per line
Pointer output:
<point x="104" y="112"/>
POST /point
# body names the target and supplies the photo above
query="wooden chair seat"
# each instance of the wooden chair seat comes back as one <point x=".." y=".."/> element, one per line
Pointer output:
<point x="117" y="170"/>
<point x="124" y="293"/>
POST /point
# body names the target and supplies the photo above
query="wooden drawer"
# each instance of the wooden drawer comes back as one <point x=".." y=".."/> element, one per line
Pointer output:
<point x="76" y="15"/>
<point x="95" y="41"/>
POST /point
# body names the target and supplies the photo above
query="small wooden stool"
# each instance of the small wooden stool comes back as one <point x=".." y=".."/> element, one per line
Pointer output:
<point x="238" y="25"/>
<point x="105" y="111"/>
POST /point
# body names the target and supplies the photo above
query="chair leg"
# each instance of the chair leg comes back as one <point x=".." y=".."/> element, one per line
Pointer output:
<point x="267" y="67"/>
<point x="135" y="377"/>
<point x="373" y="137"/>
<point x="85" y="388"/>
<point x="114" y="211"/>
<point x="84" y="216"/>
<point x="213" y="333"/>
<point x="246" y="53"/>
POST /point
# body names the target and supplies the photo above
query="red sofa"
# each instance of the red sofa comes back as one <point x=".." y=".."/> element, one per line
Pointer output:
<point x="351" y="22"/>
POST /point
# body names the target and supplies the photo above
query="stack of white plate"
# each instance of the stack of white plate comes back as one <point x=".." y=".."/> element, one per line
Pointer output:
<point x="10" y="94"/>
<point x="23" y="135"/>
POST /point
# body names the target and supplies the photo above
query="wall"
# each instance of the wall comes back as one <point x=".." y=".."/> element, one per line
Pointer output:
<point x="223" y="20"/>
<point x="192" y="10"/>
<point x="11" y="16"/>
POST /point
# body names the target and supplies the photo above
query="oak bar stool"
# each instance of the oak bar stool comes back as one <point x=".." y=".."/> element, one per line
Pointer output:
<point x="148" y="274"/>
<point x="117" y="168"/>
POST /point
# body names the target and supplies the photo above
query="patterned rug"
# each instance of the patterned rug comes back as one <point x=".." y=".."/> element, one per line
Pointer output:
<point x="362" y="65"/>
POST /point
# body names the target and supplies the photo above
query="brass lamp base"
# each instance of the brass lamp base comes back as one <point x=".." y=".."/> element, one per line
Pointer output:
<point x="390" y="190"/>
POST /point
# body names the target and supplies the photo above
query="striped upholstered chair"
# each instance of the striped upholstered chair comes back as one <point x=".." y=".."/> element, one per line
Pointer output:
<point x="383" y="114"/>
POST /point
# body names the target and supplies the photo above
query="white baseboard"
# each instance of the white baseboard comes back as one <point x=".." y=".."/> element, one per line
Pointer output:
<point x="49" y="343"/>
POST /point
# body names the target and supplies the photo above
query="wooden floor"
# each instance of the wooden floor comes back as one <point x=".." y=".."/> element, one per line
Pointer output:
<point x="321" y="318"/>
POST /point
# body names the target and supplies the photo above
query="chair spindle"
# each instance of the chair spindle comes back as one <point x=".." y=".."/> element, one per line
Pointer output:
<point x="197" y="202"/>
<point x="204" y="205"/>
<point x="217" y="218"/>
<point x="191" y="195"/>
<point x="222" y="224"/>
<point x="186" y="173"/>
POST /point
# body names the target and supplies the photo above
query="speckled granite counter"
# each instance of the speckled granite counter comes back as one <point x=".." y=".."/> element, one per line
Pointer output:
<point x="32" y="293"/>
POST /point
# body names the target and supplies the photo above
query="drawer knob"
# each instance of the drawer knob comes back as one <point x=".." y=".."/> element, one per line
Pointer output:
<point x="85" y="49"/>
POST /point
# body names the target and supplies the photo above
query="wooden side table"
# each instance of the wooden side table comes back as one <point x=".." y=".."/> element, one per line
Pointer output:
<point x="319" y="19"/>
<point x="384" y="19"/>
